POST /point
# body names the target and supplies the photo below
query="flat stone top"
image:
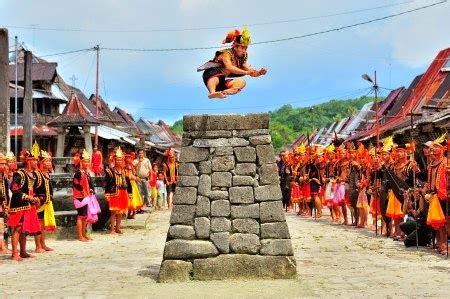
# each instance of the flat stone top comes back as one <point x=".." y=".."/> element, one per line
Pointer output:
<point x="208" y="122"/>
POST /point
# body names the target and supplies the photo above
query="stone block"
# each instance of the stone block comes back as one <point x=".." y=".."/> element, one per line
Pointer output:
<point x="222" y="163"/>
<point x="277" y="230"/>
<point x="202" y="227"/>
<point x="268" y="193"/>
<point x="204" y="167"/>
<point x="218" y="195"/>
<point x="245" y="154"/>
<point x="182" y="214"/>
<point x="245" y="243"/>
<point x="242" y="180"/>
<point x="184" y="232"/>
<point x="220" y="208"/>
<point x="203" y="206"/>
<point x="221" y="241"/>
<point x="187" y="169"/>
<point x="225" y="122"/>
<point x="276" y="247"/>
<point x="265" y="154"/>
<point x="189" y="249"/>
<point x="241" y="195"/>
<point x="175" y="271"/>
<point x="260" y="139"/>
<point x="220" y="224"/>
<point x="193" y="154"/>
<point x="204" y="185"/>
<point x="188" y="181"/>
<point x="244" y="266"/>
<point x="210" y="134"/>
<point x="221" y="179"/>
<point x="271" y="211"/>
<point x="185" y="196"/>
<point x="246" y="226"/>
<point x="224" y="151"/>
<point x="268" y="174"/>
<point x="220" y="142"/>
<point x="245" y="169"/>
<point x="245" y="211"/>
<point x="249" y="133"/>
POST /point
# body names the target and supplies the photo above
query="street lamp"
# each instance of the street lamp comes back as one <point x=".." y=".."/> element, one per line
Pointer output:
<point x="377" y="129"/>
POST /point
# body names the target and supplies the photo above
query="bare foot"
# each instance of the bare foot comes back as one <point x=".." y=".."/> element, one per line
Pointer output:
<point x="46" y="248"/>
<point x="82" y="239"/>
<point x="89" y="238"/>
<point x="5" y="251"/>
<point x="119" y="231"/>
<point x="26" y="255"/>
<point x="112" y="232"/>
<point x="16" y="257"/>
<point x="39" y="250"/>
<point x="217" y="95"/>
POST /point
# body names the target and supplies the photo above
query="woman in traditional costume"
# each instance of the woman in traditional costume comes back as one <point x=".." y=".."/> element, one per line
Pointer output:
<point x="135" y="202"/>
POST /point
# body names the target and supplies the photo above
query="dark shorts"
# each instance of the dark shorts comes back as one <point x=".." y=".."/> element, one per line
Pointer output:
<point x="82" y="212"/>
<point x="216" y="72"/>
<point x="171" y="188"/>
<point x="314" y="188"/>
<point x="40" y="215"/>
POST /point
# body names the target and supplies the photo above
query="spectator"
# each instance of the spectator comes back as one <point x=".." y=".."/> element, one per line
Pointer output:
<point x="143" y="168"/>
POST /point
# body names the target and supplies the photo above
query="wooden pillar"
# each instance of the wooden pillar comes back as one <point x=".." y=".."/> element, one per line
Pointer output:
<point x="4" y="92"/>
<point x="87" y="139"/>
<point x="60" y="146"/>
<point x="27" y="138"/>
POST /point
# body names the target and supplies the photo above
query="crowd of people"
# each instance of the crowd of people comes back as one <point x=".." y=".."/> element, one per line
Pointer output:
<point x="405" y="199"/>
<point x="26" y="193"/>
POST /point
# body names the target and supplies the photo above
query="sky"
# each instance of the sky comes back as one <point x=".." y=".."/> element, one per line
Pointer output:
<point x="165" y="85"/>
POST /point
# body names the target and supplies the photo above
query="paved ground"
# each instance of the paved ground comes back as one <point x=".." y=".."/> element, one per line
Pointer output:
<point x="332" y="261"/>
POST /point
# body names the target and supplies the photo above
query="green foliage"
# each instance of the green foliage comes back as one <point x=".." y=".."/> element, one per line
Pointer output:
<point x="287" y="122"/>
<point x="177" y="127"/>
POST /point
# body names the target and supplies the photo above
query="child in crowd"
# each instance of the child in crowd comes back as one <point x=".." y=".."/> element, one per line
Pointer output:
<point x="162" y="192"/>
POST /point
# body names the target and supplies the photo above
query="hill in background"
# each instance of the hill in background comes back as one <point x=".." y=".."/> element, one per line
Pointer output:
<point x="288" y="122"/>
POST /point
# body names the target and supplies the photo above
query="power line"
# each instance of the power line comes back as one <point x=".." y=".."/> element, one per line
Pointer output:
<point x="210" y="28"/>
<point x="255" y="43"/>
<point x="283" y="39"/>
<point x="67" y="52"/>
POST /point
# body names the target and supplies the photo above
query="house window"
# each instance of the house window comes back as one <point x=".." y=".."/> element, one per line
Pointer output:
<point x="446" y="66"/>
<point x="12" y="107"/>
<point x="43" y="106"/>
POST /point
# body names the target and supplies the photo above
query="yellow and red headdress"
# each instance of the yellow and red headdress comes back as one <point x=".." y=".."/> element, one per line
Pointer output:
<point x="239" y="37"/>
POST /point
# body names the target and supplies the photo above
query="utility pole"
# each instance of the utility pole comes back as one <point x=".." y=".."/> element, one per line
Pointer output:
<point x="27" y="138"/>
<point x="97" y="49"/>
<point x="4" y="91"/>
<point x="16" y="139"/>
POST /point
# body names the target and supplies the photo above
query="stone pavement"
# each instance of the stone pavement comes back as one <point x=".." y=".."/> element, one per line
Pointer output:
<point x="332" y="261"/>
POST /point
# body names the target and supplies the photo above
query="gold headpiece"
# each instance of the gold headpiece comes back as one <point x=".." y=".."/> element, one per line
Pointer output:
<point x="301" y="149"/>
<point x="10" y="156"/>
<point x="35" y="150"/>
<point x="388" y="143"/>
<point x="119" y="153"/>
<point x="45" y="155"/>
<point x="372" y="150"/>
<point x="330" y="148"/>
<point x="440" y="139"/>
<point x="2" y="157"/>
<point x="85" y="156"/>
